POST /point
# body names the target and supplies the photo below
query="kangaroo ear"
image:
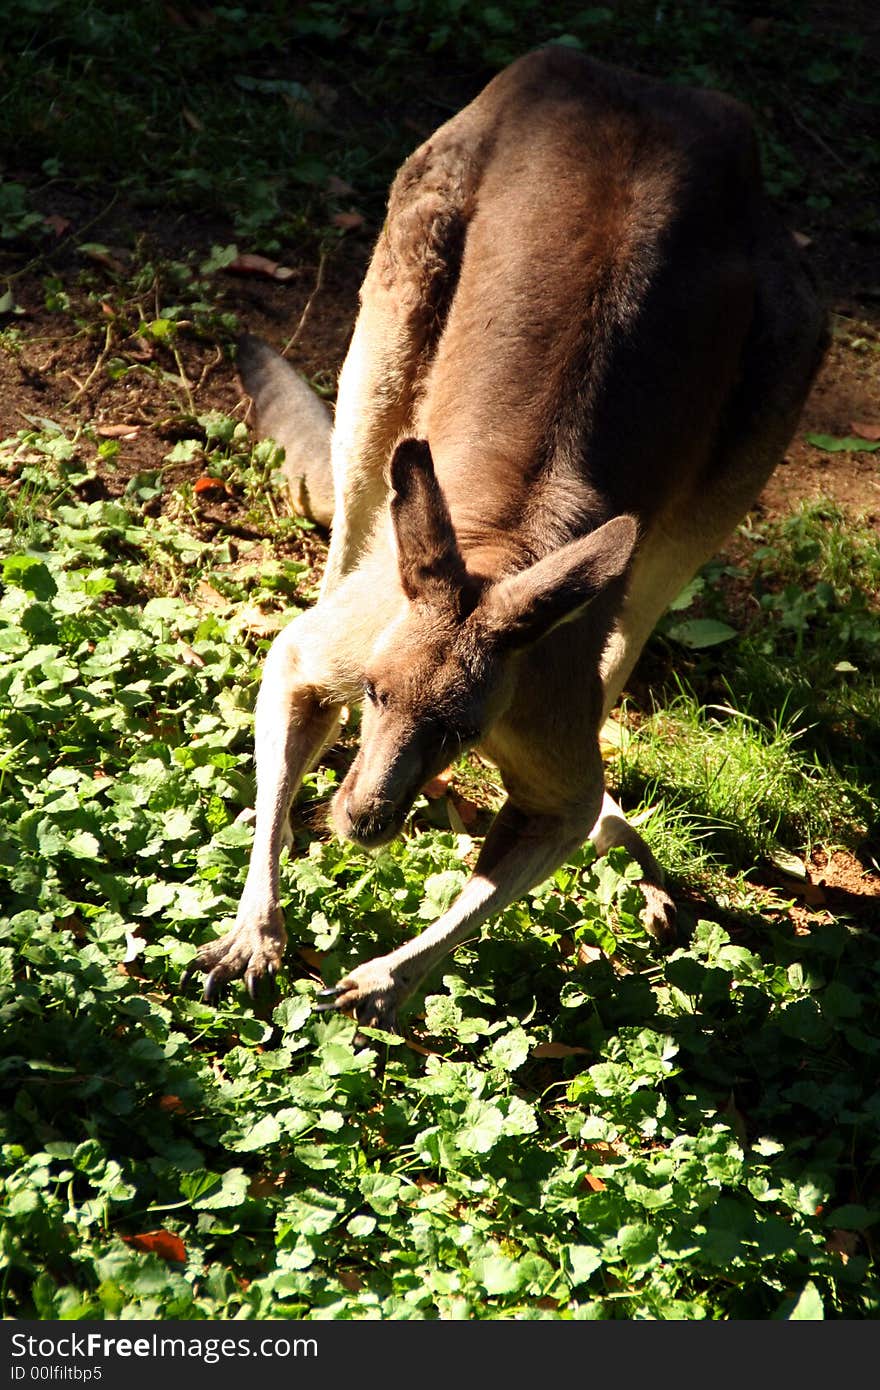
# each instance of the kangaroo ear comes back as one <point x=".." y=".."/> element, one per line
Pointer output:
<point x="428" y="557"/>
<point x="524" y="607"/>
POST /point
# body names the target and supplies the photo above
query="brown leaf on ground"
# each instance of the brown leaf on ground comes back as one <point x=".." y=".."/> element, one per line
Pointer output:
<point x="594" y="1184"/>
<point x="191" y="119"/>
<point x="189" y="657"/>
<point x="587" y="954"/>
<point x="311" y="956"/>
<point x="337" y="187"/>
<point x="438" y="786"/>
<point x="118" y="431"/>
<point x="865" y="430"/>
<point x="347" y="221"/>
<point x="256" y="622"/>
<point x="209" y="597"/>
<point x="266" y="1184"/>
<point x="58" y="224"/>
<point x="735" y="1118"/>
<point x="172" y="1105"/>
<point x="468" y="810"/>
<point x="843" y="1243"/>
<point x="557" y="1049"/>
<point x="252" y="264"/>
<point x="208" y="484"/>
<point x="422" y="1051"/>
<point x="101" y="255"/>
<point x="165" y="1244"/>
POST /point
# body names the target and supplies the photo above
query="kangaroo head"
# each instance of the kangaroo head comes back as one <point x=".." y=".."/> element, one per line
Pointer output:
<point x="445" y="668"/>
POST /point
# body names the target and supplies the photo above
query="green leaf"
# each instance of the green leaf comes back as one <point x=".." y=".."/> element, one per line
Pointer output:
<point x="30" y="574"/>
<point x="498" y="1274"/>
<point x="584" y="1261"/>
<point x="359" y="1227"/>
<point x="852" y="1218"/>
<point x="701" y="632"/>
<point x="806" y="1307"/>
<point x="510" y="1050"/>
<point x="292" y="1013"/>
<point x="850" y="443"/>
<point x="381" y="1192"/>
<point x="231" y="1193"/>
<point x="265" y="1132"/>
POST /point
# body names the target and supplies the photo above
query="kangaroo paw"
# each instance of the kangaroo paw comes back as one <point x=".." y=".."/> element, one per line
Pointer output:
<point x="370" y="993"/>
<point x="248" y="952"/>
<point x="659" y="913"/>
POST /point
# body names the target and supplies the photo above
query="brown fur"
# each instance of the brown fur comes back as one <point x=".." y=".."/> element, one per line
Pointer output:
<point x="583" y="343"/>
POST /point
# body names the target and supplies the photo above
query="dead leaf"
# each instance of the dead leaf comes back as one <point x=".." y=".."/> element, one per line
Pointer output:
<point x="422" y="1051"/>
<point x="256" y="622"/>
<point x="323" y="95"/>
<point x="189" y="657"/>
<point x="337" y="187"/>
<point x="735" y="1118"/>
<point x="59" y="225"/>
<point x="349" y="1280"/>
<point x="311" y="956"/>
<point x="172" y="1105"/>
<point x="118" y="431"/>
<point x="813" y="894"/>
<point x="557" y="1049"/>
<point x="588" y="954"/>
<point x="209" y="596"/>
<point x="594" y="1184"/>
<point x="468" y="810"/>
<point x="139" y="350"/>
<point x="102" y="255"/>
<point x="265" y="1184"/>
<point x="252" y="264"/>
<point x="347" y="221"/>
<point x="601" y="1146"/>
<point x="843" y="1243"/>
<point x="208" y="484"/>
<point x="438" y="786"/>
<point x="191" y="119"/>
<point x="801" y="239"/>
<point x="865" y="431"/>
<point x="165" y="1244"/>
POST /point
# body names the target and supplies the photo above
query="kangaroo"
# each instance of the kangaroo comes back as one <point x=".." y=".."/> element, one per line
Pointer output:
<point x="583" y="343"/>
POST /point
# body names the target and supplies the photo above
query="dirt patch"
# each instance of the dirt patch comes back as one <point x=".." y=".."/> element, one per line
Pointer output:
<point x="838" y="886"/>
<point x="846" y="392"/>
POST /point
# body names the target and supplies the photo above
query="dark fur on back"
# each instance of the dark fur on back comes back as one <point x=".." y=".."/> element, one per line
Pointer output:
<point x="640" y="178"/>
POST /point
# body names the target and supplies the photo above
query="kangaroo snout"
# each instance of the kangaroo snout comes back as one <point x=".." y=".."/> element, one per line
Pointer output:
<point x="369" y="822"/>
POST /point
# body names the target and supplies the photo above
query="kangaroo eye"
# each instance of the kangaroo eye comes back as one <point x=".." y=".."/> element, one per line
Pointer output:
<point x="370" y="692"/>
